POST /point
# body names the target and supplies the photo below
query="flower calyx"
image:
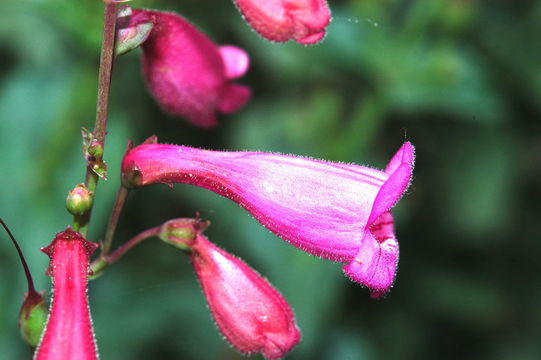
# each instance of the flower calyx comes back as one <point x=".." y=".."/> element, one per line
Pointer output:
<point x="131" y="31"/>
<point x="181" y="233"/>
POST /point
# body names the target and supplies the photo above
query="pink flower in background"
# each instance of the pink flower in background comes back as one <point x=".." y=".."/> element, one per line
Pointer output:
<point x="281" y="20"/>
<point x="250" y="313"/>
<point x="187" y="73"/>
<point x="332" y="210"/>
<point x="68" y="333"/>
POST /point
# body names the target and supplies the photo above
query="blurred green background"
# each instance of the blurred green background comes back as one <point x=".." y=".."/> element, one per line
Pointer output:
<point x="460" y="79"/>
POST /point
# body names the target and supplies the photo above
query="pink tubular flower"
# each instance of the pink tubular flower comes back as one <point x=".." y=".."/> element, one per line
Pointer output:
<point x="250" y="313"/>
<point x="281" y="20"/>
<point x="332" y="210"/>
<point x="187" y="73"/>
<point x="68" y="333"/>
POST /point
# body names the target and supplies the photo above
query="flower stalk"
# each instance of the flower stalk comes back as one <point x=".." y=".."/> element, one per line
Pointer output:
<point x="81" y="222"/>
<point x="103" y="261"/>
<point x="113" y="220"/>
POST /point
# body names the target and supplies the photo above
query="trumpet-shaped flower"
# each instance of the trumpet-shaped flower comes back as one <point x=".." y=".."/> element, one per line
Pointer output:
<point x="281" y="20"/>
<point x="68" y="333"/>
<point x="186" y="72"/>
<point x="332" y="210"/>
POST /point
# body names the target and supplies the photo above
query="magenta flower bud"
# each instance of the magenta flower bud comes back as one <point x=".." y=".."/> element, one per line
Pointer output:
<point x="187" y="73"/>
<point x="332" y="210"/>
<point x="250" y="313"/>
<point x="68" y="333"/>
<point x="281" y="20"/>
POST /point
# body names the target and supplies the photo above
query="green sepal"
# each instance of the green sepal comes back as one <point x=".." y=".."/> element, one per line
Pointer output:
<point x="32" y="318"/>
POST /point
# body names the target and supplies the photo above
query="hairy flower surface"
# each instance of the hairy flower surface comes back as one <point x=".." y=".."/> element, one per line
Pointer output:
<point x="68" y="334"/>
<point x="186" y="72"/>
<point x="250" y="313"/>
<point x="281" y="20"/>
<point x="332" y="210"/>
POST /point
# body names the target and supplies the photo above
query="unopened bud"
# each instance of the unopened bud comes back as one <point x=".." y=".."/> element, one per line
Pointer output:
<point x="32" y="317"/>
<point x="95" y="149"/>
<point x="181" y="233"/>
<point x="251" y="314"/>
<point x="79" y="200"/>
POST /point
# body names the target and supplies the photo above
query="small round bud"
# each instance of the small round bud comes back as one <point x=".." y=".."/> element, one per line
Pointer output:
<point x="181" y="233"/>
<point x="32" y="317"/>
<point x="95" y="149"/>
<point x="79" y="200"/>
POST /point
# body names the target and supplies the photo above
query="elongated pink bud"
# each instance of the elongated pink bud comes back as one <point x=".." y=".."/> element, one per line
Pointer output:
<point x="187" y="73"/>
<point x="250" y="313"/>
<point x="332" y="210"/>
<point x="68" y="334"/>
<point x="281" y="20"/>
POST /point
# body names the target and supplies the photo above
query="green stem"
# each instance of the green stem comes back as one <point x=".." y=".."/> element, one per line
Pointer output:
<point x="81" y="223"/>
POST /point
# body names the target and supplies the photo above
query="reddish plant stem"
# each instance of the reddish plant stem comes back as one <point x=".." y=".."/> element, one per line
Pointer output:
<point x="31" y="289"/>
<point x="81" y="223"/>
<point x="113" y="220"/>
<point x="121" y="250"/>
<point x="103" y="261"/>
<point x="106" y="69"/>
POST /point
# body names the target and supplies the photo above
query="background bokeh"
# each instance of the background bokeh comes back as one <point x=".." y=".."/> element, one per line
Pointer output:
<point x="460" y="79"/>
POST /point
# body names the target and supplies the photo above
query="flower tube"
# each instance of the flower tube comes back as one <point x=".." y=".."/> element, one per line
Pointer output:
<point x="332" y="210"/>
<point x="281" y="20"/>
<point x="186" y="72"/>
<point x="68" y="333"/>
